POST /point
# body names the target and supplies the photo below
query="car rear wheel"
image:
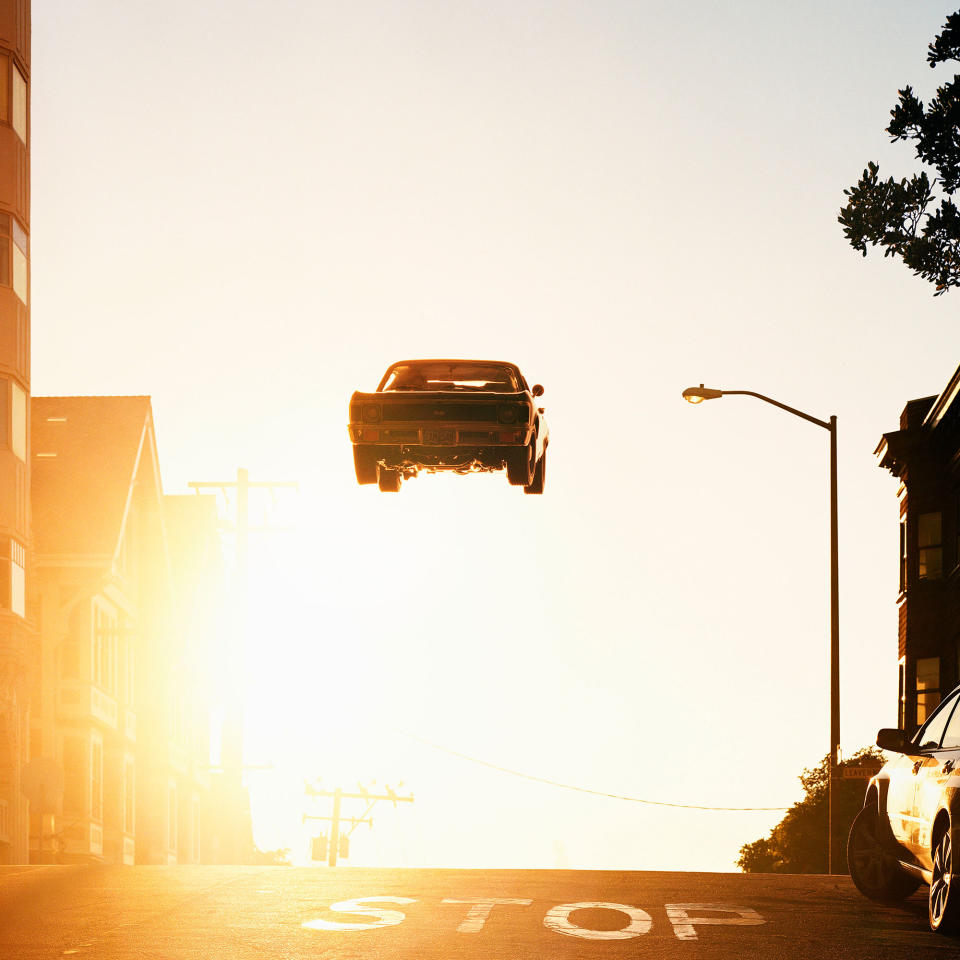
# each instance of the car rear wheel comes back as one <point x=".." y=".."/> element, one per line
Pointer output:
<point x="539" y="476"/>
<point x="873" y="869"/>
<point x="520" y="466"/>
<point x="365" y="464"/>
<point x="943" y="908"/>
<point x="388" y="480"/>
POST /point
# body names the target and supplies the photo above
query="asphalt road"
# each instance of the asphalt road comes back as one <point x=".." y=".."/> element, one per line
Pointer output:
<point x="277" y="913"/>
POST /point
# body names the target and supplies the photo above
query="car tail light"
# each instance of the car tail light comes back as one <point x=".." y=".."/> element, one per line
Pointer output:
<point x="510" y="412"/>
<point x="371" y="412"/>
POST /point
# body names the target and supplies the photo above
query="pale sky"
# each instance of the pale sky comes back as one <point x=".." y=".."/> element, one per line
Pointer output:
<point x="247" y="210"/>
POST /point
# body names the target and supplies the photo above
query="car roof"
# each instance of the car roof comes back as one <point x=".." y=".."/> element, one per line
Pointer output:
<point x="502" y="363"/>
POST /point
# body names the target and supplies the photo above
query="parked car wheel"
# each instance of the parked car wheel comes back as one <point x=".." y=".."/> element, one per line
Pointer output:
<point x="873" y="868"/>
<point x="520" y="466"/>
<point x="388" y="480"/>
<point x="944" y="903"/>
<point x="365" y="464"/>
<point x="539" y="476"/>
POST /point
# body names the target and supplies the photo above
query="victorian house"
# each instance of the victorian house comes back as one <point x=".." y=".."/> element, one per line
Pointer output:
<point x="123" y="580"/>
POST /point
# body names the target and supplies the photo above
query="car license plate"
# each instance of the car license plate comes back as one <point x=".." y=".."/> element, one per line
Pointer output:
<point x="439" y="436"/>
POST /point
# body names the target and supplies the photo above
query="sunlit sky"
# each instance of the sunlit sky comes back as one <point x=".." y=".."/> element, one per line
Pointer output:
<point x="248" y="209"/>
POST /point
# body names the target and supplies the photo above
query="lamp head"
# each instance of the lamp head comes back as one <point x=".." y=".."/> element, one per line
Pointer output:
<point x="701" y="393"/>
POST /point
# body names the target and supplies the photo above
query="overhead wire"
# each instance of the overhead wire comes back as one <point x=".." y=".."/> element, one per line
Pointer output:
<point x="578" y="789"/>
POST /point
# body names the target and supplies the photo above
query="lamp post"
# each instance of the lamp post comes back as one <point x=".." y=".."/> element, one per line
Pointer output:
<point x="698" y="395"/>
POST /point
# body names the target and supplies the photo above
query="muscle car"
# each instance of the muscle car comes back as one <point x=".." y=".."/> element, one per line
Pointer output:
<point x="463" y="416"/>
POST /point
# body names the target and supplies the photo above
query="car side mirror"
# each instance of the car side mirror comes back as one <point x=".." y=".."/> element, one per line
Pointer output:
<point x="894" y="740"/>
<point x="537" y="390"/>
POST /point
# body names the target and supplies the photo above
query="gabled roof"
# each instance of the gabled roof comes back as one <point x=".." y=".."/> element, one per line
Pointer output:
<point x="87" y="453"/>
<point x="944" y="403"/>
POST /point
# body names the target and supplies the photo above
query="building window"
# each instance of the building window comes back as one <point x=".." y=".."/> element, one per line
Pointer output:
<point x="18" y="118"/>
<point x="14" y="253"/>
<point x="4" y="89"/>
<point x="96" y="780"/>
<point x="74" y="775"/>
<point x="931" y="546"/>
<point x="928" y="687"/>
<point x="18" y="422"/>
<point x="12" y="577"/>
<point x="128" y="796"/>
<point x="129" y="669"/>
<point x="902" y="701"/>
<point x="105" y="651"/>
<point x="196" y="830"/>
<point x="903" y="556"/>
<point x="21" y="251"/>
<point x="172" y="819"/>
<point x="18" y="593"/>
<point x="956" y="527"/>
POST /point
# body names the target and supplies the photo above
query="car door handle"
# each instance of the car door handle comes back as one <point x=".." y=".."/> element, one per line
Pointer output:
<point x="917" y="766"/>
<point x="947" y="767"/>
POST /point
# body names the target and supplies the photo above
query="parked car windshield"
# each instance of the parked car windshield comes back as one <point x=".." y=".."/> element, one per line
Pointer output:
<point x="928" y="738"/>
<point x="444" y="375"/>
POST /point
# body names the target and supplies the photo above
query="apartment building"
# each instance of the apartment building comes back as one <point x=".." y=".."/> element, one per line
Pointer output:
<point x="924" y="455"/>
<point x="16" y="628"/>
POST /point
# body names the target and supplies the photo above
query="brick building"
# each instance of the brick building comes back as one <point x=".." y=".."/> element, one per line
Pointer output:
<point x="924" y="454"/>
<point x="16" y="630"/>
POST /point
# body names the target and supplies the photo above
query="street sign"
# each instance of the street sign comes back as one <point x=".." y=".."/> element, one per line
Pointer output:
<point x="860" y="772"/>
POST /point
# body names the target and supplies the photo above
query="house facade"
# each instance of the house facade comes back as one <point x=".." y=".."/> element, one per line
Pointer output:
<point x="924" y="455"/>
<point x="122" y="577"/>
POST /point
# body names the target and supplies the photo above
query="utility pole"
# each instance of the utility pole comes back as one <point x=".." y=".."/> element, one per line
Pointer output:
<point x="231" y="751"/>
<point x="336" y="819"/>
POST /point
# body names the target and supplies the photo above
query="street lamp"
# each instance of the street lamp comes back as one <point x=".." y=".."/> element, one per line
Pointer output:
<point x="698" y="395"/>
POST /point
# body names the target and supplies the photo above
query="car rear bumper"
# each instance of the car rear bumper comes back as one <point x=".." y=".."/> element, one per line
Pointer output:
<point x="442" y="457"/>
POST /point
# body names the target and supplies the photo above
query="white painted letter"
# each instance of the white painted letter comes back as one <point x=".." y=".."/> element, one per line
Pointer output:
<point x="679" y="914"/>
<point x="557" y="920"/>
<point x="478" y="913"/>
<point x="382" y="918"/>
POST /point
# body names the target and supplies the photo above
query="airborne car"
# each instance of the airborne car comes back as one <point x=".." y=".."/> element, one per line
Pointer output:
<point x="905" y="833"/>
<point x="456" y="415"/>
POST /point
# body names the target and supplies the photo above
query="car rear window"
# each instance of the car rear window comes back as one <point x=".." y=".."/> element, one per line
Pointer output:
<point x="445" y="375"/>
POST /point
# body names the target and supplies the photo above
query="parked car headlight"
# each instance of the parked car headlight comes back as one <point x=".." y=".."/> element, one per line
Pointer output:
<point x="508" y="413"/>
<point x="371" y="412"/>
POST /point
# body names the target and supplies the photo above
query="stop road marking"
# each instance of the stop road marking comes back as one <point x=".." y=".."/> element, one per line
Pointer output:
<point x="683" y="917"/>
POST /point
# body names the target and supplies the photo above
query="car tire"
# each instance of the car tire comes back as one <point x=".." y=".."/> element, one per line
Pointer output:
<point x="539" y="476"/>
<point x="388" y="480"/>
<point x="365" y="464"/>
<point x="520" y="465"/>
<point x="873" y="868"/>
<point x="943" y="906"/>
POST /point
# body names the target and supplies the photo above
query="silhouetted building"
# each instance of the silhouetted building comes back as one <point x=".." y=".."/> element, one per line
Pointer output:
<point x="16" y="558"/>
<point x="123" y="583"/>
<point x="925" y="455"/>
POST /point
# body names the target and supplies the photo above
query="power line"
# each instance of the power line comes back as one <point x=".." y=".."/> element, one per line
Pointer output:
<point x="570" y="786"/>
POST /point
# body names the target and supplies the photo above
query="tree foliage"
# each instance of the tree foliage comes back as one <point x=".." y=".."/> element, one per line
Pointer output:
<point x="905" y="218"/>
<point x="798" y="843"/>
<point x="270" y="858"/>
